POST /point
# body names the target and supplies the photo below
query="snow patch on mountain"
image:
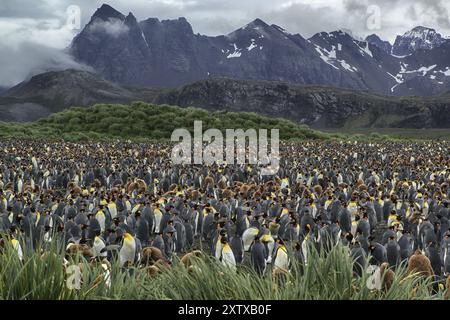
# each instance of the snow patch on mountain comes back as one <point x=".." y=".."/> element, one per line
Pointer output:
<point x="330" y="58"/>
<point x="236" y="54"/>
<point x="366" y="50"/>
<point x="252" y="45"/>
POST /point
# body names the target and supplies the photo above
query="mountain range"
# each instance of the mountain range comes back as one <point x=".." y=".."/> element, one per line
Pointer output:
<point x="316" y="106"/>
<point x="168" y="53"/>
<point x="331" y="80"/>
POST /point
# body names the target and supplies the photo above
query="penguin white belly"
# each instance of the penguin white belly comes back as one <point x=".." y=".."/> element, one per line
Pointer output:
<point x="136" y="208"/>
<point x="228" y="259"/>
<point x="281" y="260"/>
<point x="157" y="222"/>
<point x="270" y="246"/>
<point x="305" y="251"/>
<point x="112" y="211"/>
<point x="106" y="275"/>
<point x="248" y="236"/>
<point x="219" y="248"/>
<point x="127" y="253"/>
<point x="18" y="248"/>
<point x="101" y="220"/>
<point x="196" y="224"/>
<point x="354" y="227"/>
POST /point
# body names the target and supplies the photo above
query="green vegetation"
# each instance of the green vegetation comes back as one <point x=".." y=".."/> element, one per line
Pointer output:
<point x="329" y="277"/>
<point x="142" y="121"/>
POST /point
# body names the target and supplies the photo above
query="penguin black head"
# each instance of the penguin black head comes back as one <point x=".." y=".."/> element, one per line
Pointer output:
<point x="349" y="236"/>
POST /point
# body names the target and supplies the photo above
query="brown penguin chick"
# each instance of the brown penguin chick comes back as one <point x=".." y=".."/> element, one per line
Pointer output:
<point x="150" y="255"/>
<point x="195" y="194"/>
<point x="162" y="264"/>
<point x="131" y="187"/>
<point x="71" y="185"/>
<point x="269" y="183"/>
<point x="318" y="189"/>
<point x="209" y="181"/>
<point x="81" y="249"/>
<point x="388" y="278"/>
<point x="97" y="183"/>
<point x="97" y="263"/>
<point x="169" y="194"/>
<point x="227" y="194"/>
<point x="362" y="188"/>
<point x="173" y="187"/>
<point x="141" y="184"/>
<point x="238" y="184"/>
<point x="189" y="258"/>
<point x="419" y="263"/>
<point x="152" y="270"/>
<point x="257" y="195"/>
<point x="447" y="289"/>
<point x="222" y="184"/>
<point x="76" y="190"/>
<point x="244" y="190"/>
<point x="46" y="255"/>
<point x="115" y="190"/>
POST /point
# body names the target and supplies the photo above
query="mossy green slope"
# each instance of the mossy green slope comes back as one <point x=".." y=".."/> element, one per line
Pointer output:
<point x="141" y="121"/>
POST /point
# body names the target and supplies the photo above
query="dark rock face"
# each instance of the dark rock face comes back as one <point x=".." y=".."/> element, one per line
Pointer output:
<point x="114" y="46"/>
<point x="417" y="38"/>
<point x="57" y="90"/>
<point x="69" y="88"/>
<point x="317" y="106"/>
<point x="168" y="54"/>
<point x="376" y="41"/>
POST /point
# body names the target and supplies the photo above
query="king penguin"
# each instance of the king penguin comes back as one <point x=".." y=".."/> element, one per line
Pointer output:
<point x="128" y="251"/>
<point x="258" y="256"/>
<point x="99" y="248"/>
<point x="248" y="237"/>
<point x="227" y="255"/>
<point x="281" y="258"/>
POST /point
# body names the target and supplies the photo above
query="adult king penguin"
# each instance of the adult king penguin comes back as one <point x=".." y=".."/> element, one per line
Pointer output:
<point x="258" y="256"/>
<point x="128" y="251"/>
<point x="227" y="255"/>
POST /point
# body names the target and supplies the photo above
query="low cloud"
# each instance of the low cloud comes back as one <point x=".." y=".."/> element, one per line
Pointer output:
<point x="113" y="27"/>
<point x="28" y="59"/>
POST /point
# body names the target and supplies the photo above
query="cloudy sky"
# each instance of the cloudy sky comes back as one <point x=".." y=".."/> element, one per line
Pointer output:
<point x="32" y="32"/>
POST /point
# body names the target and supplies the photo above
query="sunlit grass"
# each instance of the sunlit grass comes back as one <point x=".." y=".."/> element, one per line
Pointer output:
<point x="328" y="276"/>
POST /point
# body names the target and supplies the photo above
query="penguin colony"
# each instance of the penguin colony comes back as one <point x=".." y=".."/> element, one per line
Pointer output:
<point x="127" y="201"/>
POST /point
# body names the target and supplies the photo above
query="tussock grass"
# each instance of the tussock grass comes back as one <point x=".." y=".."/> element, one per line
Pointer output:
<point x="328" y="276"/>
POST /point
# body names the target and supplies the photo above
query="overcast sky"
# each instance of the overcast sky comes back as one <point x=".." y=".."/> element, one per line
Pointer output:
<point x="41" y="24"/>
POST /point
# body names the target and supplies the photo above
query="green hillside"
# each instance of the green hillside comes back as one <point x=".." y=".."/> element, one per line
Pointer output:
<point x="141" y="121"/>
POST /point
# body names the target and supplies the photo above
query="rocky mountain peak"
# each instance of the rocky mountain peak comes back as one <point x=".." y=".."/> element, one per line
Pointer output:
<point x="258" y="23"/>
<point x="106" y="12"/>
<point x="375" y="40"/>
<point x="418" y="38"/>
